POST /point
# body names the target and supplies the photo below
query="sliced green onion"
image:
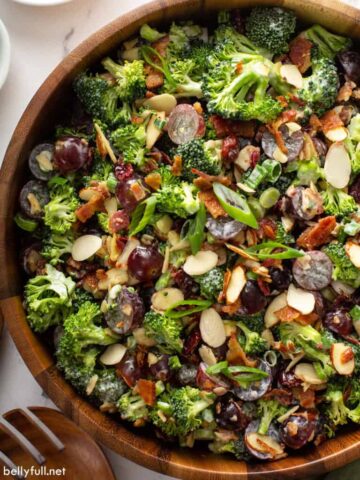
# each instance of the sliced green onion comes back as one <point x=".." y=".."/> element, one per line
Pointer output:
<point x="148" y="53"/>
<point x="270" y="358"/>
<point x="240" y="373"/>
<point x="142" y="215"/>
<point x="269" y="170"/>
<point x="160" y="124"/>
<point x="199" y="306"/>
<point x="235" y="205"/>
<point x="196" y="233"/>
<point x="355" y="313"/>
<point x="57" y="181"/>
<point x="264" y="250"/>
<point x="111" y="182"/>
<point x="26" y="224"/>
<point x="269" y="197"/>
<point x="256" y="208"/>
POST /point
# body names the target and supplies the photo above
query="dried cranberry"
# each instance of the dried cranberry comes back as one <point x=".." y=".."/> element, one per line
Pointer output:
<point x="230" y="148"/>
<point x="355" y="189"/>
<point x="119" y="221"/>
<point x="186" y="284"/>
<point x="123" y="171"/>
<point x="192" y="342"/>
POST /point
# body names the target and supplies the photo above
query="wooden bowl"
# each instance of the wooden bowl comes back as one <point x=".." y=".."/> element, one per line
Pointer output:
<point x="44" y="110"/>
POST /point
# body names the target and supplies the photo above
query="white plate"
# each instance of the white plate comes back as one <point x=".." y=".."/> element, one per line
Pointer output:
<point x="4" y="53"/>
<point x="42" y="3"/>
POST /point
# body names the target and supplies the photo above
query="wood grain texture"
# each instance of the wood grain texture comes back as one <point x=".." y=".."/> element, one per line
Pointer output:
<point x="45" y="109"/>
<point x="82" y="458"/>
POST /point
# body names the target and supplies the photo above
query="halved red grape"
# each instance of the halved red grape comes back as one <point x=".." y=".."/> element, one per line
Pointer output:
<point x="129" y="369"/>
<point x="339" y="321"/>
<point x="33" y="197"/>
<point x="298" y="429"/>
<point x="41" y="161"/>
<point x="161" y="369"/>
<point x="224" y="228"/>
<point x="131" y="192"/>
<point x="71" y="154"/>
<point x="145" y="263"/>
<point x="256" y="389"/>
<point x="183" y="124"/>
<point x="126" y="312"/>
<point x="229" y="414"/>
<point x="313" y="271"/>
<point x="252" y="299"/>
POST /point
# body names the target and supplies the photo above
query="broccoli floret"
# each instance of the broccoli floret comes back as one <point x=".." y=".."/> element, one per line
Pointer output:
<point x="132" y="407"/>
<point x="352" y="142"/>
<point x="226" y="38"/>
<point x="253" y="343"/>
<point x="81" y="296"/>
<point x="344" y="270"/>
<point x="181" y="409"/>
<point x="98" y="96"/>
<point x="337" y="202"/>
<point x="198" y="52"/>
<point x="203" y="156"/>
<point x="327" y="43"/>
<point x="130" y="78"/>
<point x="48" y="299"/>
<point x="308" y="171"/>
<point x="211" y="283"/>
<point x="179" y="199"/>
<point x="319" y="90"/>
<point x="79" y="374"/>
<point x="254" y="322"/>
<point x="336" y="410"/>
<point x="55" y="246"/>
<point x="150" y="34"/>
<point x="100" y="171"/>
<point x="130" y="141"/>
<point x="103" y="221"/>
<point x="180" y="37"/>
<point x="268" y="411"/>
<point x="282" y="236"/>
<point x="271" y="28"/>
<point x="236" y="447"/>
<point x="228" y="90"/>
<point x="108" y="388"/>
<point x="82" y="336"/>
<point x="310" y="341"/>
<point x="165" y="330"/>
<point x="60" y="211"/>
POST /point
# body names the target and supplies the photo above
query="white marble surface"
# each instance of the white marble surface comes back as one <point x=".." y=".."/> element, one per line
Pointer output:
<point x="40" y="37"/>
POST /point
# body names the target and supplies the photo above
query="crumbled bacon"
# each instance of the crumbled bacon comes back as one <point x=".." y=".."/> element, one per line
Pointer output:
<point x="207" y="180"/>
<point x="300" y="53"/>
<point x="177" y="166"/>
<point x="161" y="45"/>
<point x="138" y="191"/>
<point x="224" y="127"/>
<point x="211" y="203"/>
<point x="345" y="92"/>
<point x="86" y="211"/>
<point x="146" y="390"/>
<point x="287" y="116"/>
<point x="289" y="314"/>
<point x="330" y="120"/>
<point x="230" y="148"/>
<point x="154" y="78"/>
<point x="264" y="287"/>
<point x="236" y="354"/>
<point x="267" y="228"/>
<point x="306" y="399"/>
<point x="153" y="180"/>
<point x="317" y="235"/>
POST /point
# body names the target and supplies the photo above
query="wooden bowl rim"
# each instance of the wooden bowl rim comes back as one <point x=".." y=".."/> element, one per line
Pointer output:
<point x="160" y="458"/>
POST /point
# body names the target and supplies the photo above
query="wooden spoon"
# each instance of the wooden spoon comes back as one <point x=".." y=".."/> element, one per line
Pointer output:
<point x="45" y="439"/>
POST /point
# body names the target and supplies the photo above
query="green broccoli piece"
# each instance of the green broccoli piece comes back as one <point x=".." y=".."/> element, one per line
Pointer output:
<point x="236" y="447"/>
<point x="271" y="28"/>
<point x="308" y="171"/>
<point x="130" y="141"/>
<point x="335" y="409"/>
<point x="327" y="43"/>
<point x="337" y="202"/>
<point x="211" y="283"/>
<point x="344" y="270"/>
<point x="227" y="39"/>
<point x="100" y="170"/>
<point x="48" y="299"/>
<point x="150" y="34"/>
<point x="60" y="211"/>
<point x="254" y="322"/>
<point x="179" y="199"/>
<point x="109" y="387"/>
<point x="182" y="408"/>
<point x="308" y="340"/>
<point x="82" y="336"/>
<point x="320" y="89"/>
<point x="268" y="411"/>
<point x="198" y="52"/>
<point x="203" y="156"/>
<point x="352" y="143"/>
<point x="81" y="296"/>
<point x="253" y="343"/>
<point x="282" y="236"/>
<point x="79" y="374"/>
<point x="55" y="246"/>
<point x="180" y="37"/>
<point x="241" y="95"/>
<point x="132" y="407"/>
<point x="103" y="221"/>
<point x="130" y="78"/>
<point x="354" y="128"/>
<point x="164" y="330"/>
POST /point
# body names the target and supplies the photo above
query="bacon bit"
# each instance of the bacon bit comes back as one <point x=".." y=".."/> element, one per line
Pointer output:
<point x="317" y="235"/>
<point x="153" y="180"/>
<point x="205" y="181"/>
<point x="90" y="284"/>
<point x="177" y="166"/>
<point x="232" y="308"/>
<point x="306" y="399"/>
<point x="239" y="68"/>
<point x="278" y="139"/>
<point x="272" y="262"/>
<point x="285" y="397"/>
<point x="86" y="211"/>
<point x="230" y="148"/>
<point x="119" y="221"/>
<point x="201" y="128"/>
<point x="154" y="78"/>
<point x="146" y="390"/>
<point x="227" y="278"/>
<point x="138" y="191"/>
<point x="308" y="319"/>
<point x="149" y="94"/>
<point x="264" y="287"/>
<point x="297" y="100"/>
<point x="236" y="355"/>
<point x="198" y="108"/>
<point x="268" y="228"/>
<point x="282" y="100"/>
<point x="300" y="53"/>
<point x="345" y="91"/>
<point x="224" y="127"/>
<point x="314" y="122"/>
<point x="287" y="314"/>
<point x="137" y="120"/>
<point x="287" y="116"/>
<point x="161" y="45"/>
<point x="330" y="120"/>
<point x="212" y="204"/>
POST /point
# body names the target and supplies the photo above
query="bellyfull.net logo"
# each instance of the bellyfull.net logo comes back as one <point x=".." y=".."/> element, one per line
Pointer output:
<point x="21" y="472"/>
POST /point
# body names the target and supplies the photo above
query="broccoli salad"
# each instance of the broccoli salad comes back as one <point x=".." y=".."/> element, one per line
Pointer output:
<point x="191" y="234"/>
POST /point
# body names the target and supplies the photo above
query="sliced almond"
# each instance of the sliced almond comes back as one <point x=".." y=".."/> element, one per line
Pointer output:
<point x="131" y="244"/>
<point x="114" y="276"/>
<point x="342" y="288"/>
<point x="240" y="252"/>
<point x="307" y="373"/>
<point x="337" y="166"/>
<point x="113" y="354"/>
<point x="279" y="156"/>
<point x="207" y="355"/>
<point x="353" y="252"/>
<point x="85" y="247"/>
<point x="293" y="127"/>
<point x="153" y="132"/>
<point x="142" y="339"/>
<point x="161" y="103"/>
<point x="110" y="205"/>
<point x="166" y="298"/>
<point x="163" y="226"/>
<point x="44" y="159"/>
<point x="300" y="299"/>
<point x="212" y="328"/>
<point x="292" y="75"/>
<point x="278" y="303"/>
<point x="201" y="263"/>
<point x="152" y="359"/>
<point x="92" y="384"/>
<point x="342" y="358"/>
<point x="245" y="188"/>
<point x="288" y="223"/>
<point x="337" y="134"/>
<point x="236" y="284"/>
<point x="131" y="54"/>
<point x="264" y="444"/>
<point x="243" y="160"/>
